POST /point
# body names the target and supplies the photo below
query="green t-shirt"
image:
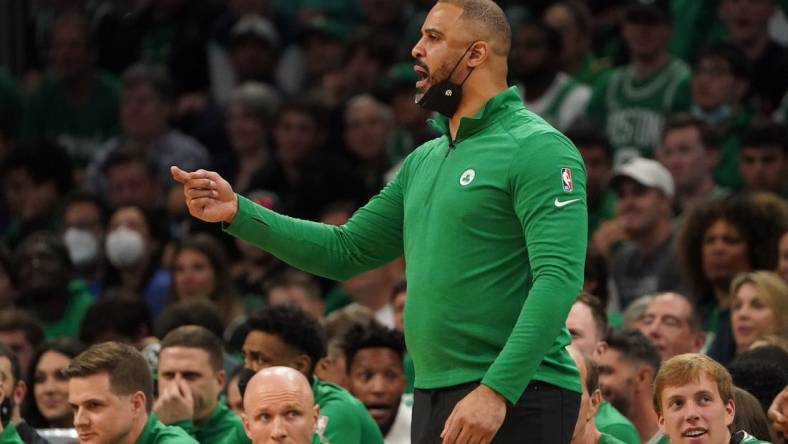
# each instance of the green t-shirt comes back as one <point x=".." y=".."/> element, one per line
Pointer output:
<point x="70" y="322"/>
<point x="609" y="439"/>
<point x="493" y="227"/>
<point x="611" y="422"/>
<point x="157" y="433"/>
<point x="348" y="421"/>
<point x="79" y="127"/>
<point x="9" y="435"/>
<point x="633" y="110"/>
<point x="223" y="427"/>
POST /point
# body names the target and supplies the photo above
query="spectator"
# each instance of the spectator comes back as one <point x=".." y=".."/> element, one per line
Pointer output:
<point x="368" y="127"/>
<point x="587" y="323"/>
<point x="747" y="25"/>
<point x="45" y="285"/>
<point x="253" y="52"/>
<point x="22" y="333"/>
<point x="376" y="376"/>
<point x="719" y="240"/>
<point x="762" y="372"/>
<point x="117" y="316"/>
<point x="535" y="62"/>
<point x="632" y="317"/>
<point x="333" y="367"/>
<point x="370" y="54"/>
<point x="131" y="180"/>
<point x="77" y="105"/>
<point x="287" y="336"/>
<point x="573" y="20"/>
<point x="633" y="104"/>
<point x="318" y="50"/>
<point x="627" y="366"/>
<point x="586" y="431"/>
<point x="14" y="391"/>
<point x="598" y="159"/>
<point x="673" y="325"/>
<point x="759" y="307"/>
<point x="200" y="270"/>
<point x="116" y="378"/>
<point x="47" y="407"/>
<point x="132" y="246"/>
<point x="276" y="392"/>
<point x="689" y="150"/>
<point x="146" y="107"/>
<point x="720" y="97"/>
<point x="190" y="378"/>
<point x="645" y="263"/>
<point x="84" y="219"/>
<point x="690" y="387"/>
<point x="232" y="393"/>
<point x="750" y="417"/>
<point x="34" y="190"/>
<point x="299" y="289"/>
<point x="764" y="158"/>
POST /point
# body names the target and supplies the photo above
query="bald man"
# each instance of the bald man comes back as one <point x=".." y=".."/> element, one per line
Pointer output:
<point x="492" y="220"/>
<point x="279" y="407"/>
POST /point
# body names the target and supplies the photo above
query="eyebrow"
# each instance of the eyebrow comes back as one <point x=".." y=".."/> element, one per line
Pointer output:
<point x="432" y="30"/>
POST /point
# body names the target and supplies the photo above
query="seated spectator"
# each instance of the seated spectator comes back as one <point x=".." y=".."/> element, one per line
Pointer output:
<point x="689" y="150"/>
<point x="370" y="53"/>
<point x="333" y="366"/>
<point x="587" y="323"/>
<point x="535" y="62"/>
<point x="376" y="376"/>
<point x="84" y="219"/>
<point x="759" y="307"/>
<point x="47" y="404"/>
<point x="598" y="159"/>
<point x="764" y="158"/>
<point x="287" y="336"/>
<point x="279" y="407"/>
<point x="750" y="416"/>
<point x="762" y="371"/>
<point x="77" y="105"/>
<point x="628" y="363"/>
<point x="117" y="316"/>
<point x="146" y="106"/>
<point x="253" y="53"/>
<point x="232" y="393"/>
<point x="719" y="240"/>
<point x="299" y="289"/>
<point x="200" y="270"/>
<point x="110" y="390"/>
<point x="634" y="102"/>
<point x="645" y="263"/>
<point x="34" y="190"/>
<point x="131" y="180"/>
<point x="693" y="398"/>
<point x="45" y="286"/>
<point x="672" y="324"/>
<point x="22" y="333"/>
<point x="572" y="19"/>
<point x="190" y="379"/>
<point x="747" y="26"/>
<point x="133" y="245"/>
<point x="586" y="431"/>
<point x="720" y="97"/>
<point x="12" y="391"/>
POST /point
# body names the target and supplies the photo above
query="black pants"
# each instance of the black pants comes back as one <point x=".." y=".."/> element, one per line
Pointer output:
<point x="545" y="414"/>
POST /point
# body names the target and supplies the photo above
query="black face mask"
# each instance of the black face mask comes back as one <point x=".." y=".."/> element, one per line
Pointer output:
<point x="445" y="96"/>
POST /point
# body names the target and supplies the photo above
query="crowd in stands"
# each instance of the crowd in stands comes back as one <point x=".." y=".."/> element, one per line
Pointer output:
<point x="678" y="107"/>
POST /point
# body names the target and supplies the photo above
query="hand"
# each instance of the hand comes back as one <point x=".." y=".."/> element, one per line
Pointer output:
<point x="208" y="196"/>
<point x="778" y="412"/>
<point x="476" y="418"/>
<point x="175" y="403"/>
<point x="606" y="236"/>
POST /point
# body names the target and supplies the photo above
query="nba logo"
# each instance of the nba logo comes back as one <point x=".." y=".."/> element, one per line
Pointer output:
<point x="566" y="179"/>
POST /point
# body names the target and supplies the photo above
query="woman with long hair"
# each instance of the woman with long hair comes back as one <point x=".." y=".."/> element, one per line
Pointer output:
<point x="46" y="404"/>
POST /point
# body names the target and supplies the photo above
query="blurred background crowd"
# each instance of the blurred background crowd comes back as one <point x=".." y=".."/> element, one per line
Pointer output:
<point x="679" y="109"/>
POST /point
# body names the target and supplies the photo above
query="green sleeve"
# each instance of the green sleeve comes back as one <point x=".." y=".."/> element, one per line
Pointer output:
<point x="345" y="427"/>
<point x="371" y="238"/>
<point x="556" y="243"/>
<point x="187" y="425"/>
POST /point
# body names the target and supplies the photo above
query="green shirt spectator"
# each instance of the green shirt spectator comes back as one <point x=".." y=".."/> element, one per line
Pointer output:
<point x="157" y="433"/>
<point x="611" y="422"/>
<point x="69" y="324"/>
<point x="348" y="419"/>
<point x="9" y="435"/>
<point x="223" y="427"/>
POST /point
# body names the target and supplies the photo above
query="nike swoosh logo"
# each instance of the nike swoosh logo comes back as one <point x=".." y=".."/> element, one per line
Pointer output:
<point x="559" y="204"/>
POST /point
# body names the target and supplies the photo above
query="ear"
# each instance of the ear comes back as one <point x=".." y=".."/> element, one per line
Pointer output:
<point x="730" y="412"/>
<point x="699" y="341"/>
<point x="138" y="401"/>
<point x="596" y="400"/>
<point x="661" y="424"/>
<point x="245" y="420"/>
<point x="302" y="363"/>
<point x="221" y="377"/>
<point x="316" y="417"/>
<point x="479" y="53"/>
<point x="601" y="347"/>
<point x="645" y="376"/>
<point x="19" y="392"/>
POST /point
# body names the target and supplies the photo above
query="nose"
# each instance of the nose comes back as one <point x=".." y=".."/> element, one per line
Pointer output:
<point x="278" y="429"/>
<point x="691" y="413"/>
<point x="377" y="385"/>
<point x="418" y="50"/>
<point x="80" y="418"/>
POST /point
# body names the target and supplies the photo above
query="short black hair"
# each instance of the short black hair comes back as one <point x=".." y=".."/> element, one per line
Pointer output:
<point x="129" y="317"/>
<point x="16" y="369"/>
<point x="765" y="134"/>
<point x="634" y="347"/>
<point x="13" y="319"/>
<point x="44" y="161"/>
<point x="83" y="196"/>
<point x="200" y="312"/>
<point x="292" y="326"/>
<point x="125" y="156"/>
<point x="194" y="336"/>
<point x="737" y="61"/>
<point x="708" y="137"/>
<point x="373" y="335"/>
<point x="762" y="371"/>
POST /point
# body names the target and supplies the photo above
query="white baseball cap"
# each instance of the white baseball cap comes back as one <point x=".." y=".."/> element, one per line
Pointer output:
<point x="647" y="172"/>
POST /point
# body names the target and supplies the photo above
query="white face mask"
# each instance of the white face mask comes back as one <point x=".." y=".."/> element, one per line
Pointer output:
<point x="83" y="246"/>
<point x="124" y="247"/>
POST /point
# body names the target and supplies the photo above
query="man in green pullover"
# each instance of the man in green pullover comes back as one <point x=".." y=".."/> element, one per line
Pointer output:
<point x="110" y="390"/>
<point x="191" y="377"/>
<point x="491" y="218"/>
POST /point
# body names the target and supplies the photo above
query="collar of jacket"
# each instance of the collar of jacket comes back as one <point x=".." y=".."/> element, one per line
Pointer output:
<point x="498" y="105"/>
